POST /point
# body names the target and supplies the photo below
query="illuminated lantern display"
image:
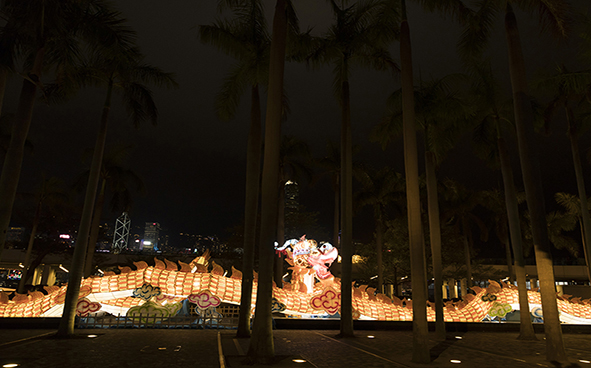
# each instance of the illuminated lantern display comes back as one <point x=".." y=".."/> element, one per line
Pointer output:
<point x="85" y="307"/>
<point x="277" y="307"/>
<point x="158" y="292"/>
<point x="305" y="255"/>
<point x="329" y="300"/>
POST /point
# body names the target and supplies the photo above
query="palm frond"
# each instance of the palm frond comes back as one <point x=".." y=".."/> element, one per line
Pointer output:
<point x="153" y="75"/>
<point x="221" y="36"/>
<point x="555" y="15"/>
<point x="139" y="103"/>
<point x="228" y="99"/>
<point x="477" y="30"/>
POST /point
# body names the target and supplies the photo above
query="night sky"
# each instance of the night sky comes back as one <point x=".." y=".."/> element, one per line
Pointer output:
<point x="193" y="164"/>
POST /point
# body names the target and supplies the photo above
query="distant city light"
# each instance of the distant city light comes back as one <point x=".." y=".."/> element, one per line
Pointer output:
<point x="370" y="336"/>
<point x="455" y="361"/>
<point x="299" y="361"/>
<point x="10" y="365"/>
<point x="64" y="236"/>
<point x="91" y="336"/>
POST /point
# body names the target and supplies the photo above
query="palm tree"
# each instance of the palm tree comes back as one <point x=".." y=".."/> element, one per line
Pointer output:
<point x="494" y="123"/>
<point x="49" y="193"/>
<point x="118" y="67"/>
<point x="441" y="113"/>
<point x="420" y="350"/>
<point x="261" y="347"/>
<point x="359" y="36"/>
<point x="494" y="201"/>
<point x="330" y="164"/>
<point x="459" y="213"/>
<point x="559" y="224"/>
<point x="246" y="38"/>
<point x="46" y="34"/>
<point x="553" y="14"/>
<point x="571" y="89"/>
<point x="294" y="166"/>
<point x="115" y="178"/>
<point x="381" y="188"/>
<point x="572" y="206"/>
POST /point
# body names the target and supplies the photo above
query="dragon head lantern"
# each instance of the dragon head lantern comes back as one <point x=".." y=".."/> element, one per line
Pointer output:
<point x="307" y="257"/>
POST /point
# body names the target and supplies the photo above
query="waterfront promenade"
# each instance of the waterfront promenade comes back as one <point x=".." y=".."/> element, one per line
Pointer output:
<point x="316" y="348"/>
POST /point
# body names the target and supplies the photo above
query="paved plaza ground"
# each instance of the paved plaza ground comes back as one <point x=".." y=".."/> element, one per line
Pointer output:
<point x="318" y="348"/>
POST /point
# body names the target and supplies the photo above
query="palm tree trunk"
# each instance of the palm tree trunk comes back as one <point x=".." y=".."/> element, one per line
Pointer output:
<point x="251" y="208"/>
<point x="526" y="329"/>
<point x="586" y="220"/>
<point x="509" y="260"/>
<point x="533" y="189"/>
<point x="13" y="160"/>
<point x="336" y="219"/>
<point x="420" y="350"/>
<point x="379" y="251"/>
<point x="395" y="288"/>
<point x="467" y="259"/>
<point x="94" y="229"/>
<point x="261" y="347"/>
<point x="435" y="233"/>
<point x="3" y="78"/>
<point x="346" y="215"/>
<point x="66" y="326"/>
<point x="27" y="263"/>
<point x="280" y="235"/>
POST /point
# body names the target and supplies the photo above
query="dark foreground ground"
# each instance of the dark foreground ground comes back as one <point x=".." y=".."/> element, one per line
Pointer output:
<point x="144" y="348"/>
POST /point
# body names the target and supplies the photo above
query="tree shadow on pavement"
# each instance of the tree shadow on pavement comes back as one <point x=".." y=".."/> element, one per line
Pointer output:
<point x="436" y="350"/>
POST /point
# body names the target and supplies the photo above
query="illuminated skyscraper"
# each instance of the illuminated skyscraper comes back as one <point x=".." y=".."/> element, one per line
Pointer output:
<point x="151" y="235"/>
<point x="291" y="195"/>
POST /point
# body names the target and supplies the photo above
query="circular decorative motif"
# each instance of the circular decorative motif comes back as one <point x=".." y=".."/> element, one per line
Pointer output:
<point x="146" y="292"/>
<point x="84" y="307"/>
<point x="488" y="297"/>
<point x="499" y="309"/>
<point x="205" y="299"/>
<point x="329" y="300"/>
<point x="149" y="312"/>
<point x="537" y="312"/>
<point x="277" y="306"/>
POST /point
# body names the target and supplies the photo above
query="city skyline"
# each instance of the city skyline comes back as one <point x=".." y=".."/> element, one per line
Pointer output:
<point x="193" y="164"/>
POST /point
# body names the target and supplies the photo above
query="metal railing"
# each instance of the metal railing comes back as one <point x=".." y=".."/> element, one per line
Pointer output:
<point x="152" y="321"/>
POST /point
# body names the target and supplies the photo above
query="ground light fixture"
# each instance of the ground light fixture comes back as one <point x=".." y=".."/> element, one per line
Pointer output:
<point x="458" y="337"/>
<point x="91" y="336"/>
<point x="455" y="361"/>
<point x="371" y="337"/>
<point x="10" y="365"/>
<point x="298" y="361"/>
<point x="584" y="361"/>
